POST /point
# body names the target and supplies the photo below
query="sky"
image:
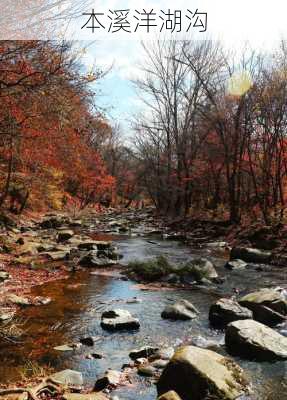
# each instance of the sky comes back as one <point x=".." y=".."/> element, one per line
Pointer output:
<point x="118" y="95"/>
<point x="259" y="22"/>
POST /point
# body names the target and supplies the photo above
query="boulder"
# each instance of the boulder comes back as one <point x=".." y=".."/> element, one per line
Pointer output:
<point x="195" y="373"/>
<point x="171" y="395"/>
<point x="235" y="264"/>
<point x="64" y="235"/>
<point x="181" y="310"/>
<point x="67" y="377"/>
<point x="250" y="255"/>
<point x="143" y="352"/>
<point x="253" y="340"/>
<point x="200" y="268"/>
<point x="225" y="311"/>
<point x="111" y="378"/>
<point x="114" y="320"/>
<point x="268" y="306"/>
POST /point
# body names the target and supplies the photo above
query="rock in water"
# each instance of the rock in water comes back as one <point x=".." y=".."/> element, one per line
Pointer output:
<point x="194" y="373"/>
<point x="268" y="306"/>
<point x="143" y="352"/>
<point x="201" y="268"/>
<point x="254" y="340"/>
<point x="114" y="320"/>
<point x="111" y="378"/>
<point x="181" y="310"/>
<point x="171" y="395"/>
<point x="235" y="264"/>
<point x="250" y="255"/>
<point x="225" y="311"/>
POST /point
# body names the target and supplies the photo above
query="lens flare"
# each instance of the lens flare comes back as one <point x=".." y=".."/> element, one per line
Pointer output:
<point x="239" y="83"/>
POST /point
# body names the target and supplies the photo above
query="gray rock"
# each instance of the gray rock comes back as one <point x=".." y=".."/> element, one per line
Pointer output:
<point x="67" y="377"/>
<point x="201" y="268"/>
<point x="253" y="340"/>
<point x="181" y="310"/>
<point x="145" y="352"/>
<point x="236" y="264"/>
<point x="225" y="311"/>
<point x="197" y="373"/>
<point x="119" y="320"/>
<point x="268" y="306"/>
<point x="250" y="255"/>
<point x="111" y="378"/>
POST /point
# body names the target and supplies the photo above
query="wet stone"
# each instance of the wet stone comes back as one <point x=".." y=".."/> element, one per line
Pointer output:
<point x="225" y="311"/>
<point x="119" y="320"/>
<point x="181" y="310"/>
<point x="111" y="378"/>
<point x="143" y="352"/>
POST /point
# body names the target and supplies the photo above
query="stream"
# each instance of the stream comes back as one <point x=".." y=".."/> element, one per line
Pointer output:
<point x="78" y="302"/>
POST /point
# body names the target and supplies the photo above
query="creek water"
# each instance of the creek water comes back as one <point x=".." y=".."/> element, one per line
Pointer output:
<point x="78" y="302"/>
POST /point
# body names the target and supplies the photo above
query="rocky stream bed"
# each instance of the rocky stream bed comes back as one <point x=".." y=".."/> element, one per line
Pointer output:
<point x="215" y="335"/>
